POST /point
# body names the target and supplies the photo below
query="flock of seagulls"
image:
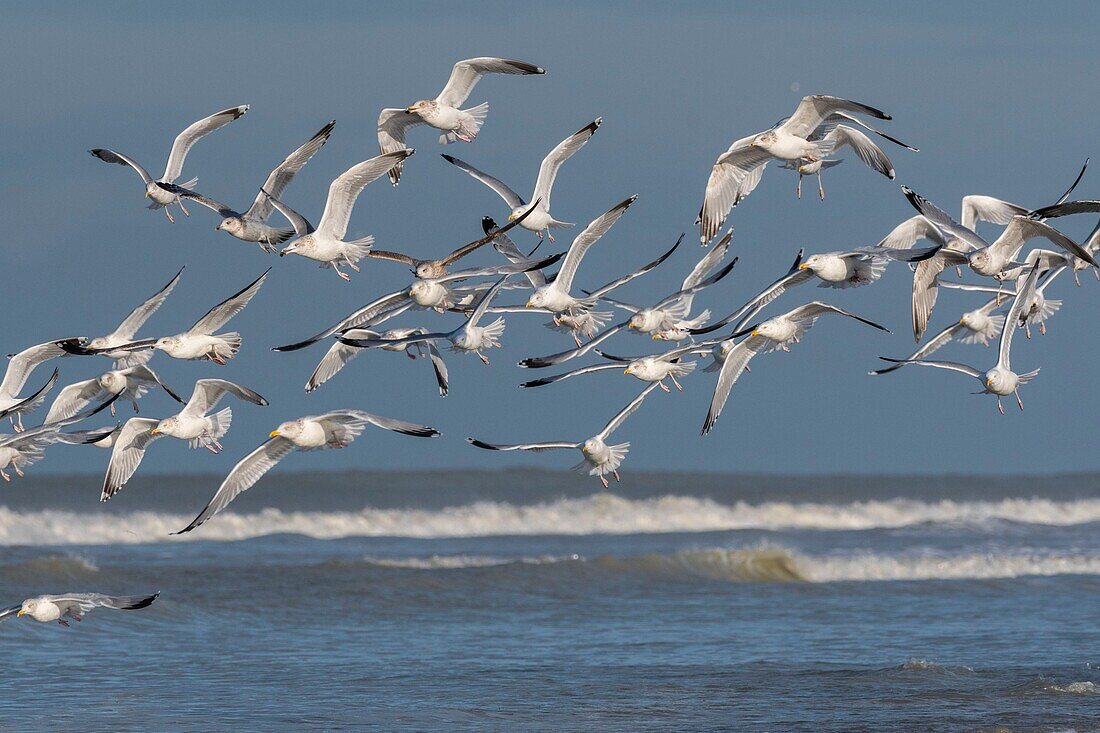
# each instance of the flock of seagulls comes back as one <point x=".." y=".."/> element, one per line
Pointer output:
<point x="1013" y="282"/>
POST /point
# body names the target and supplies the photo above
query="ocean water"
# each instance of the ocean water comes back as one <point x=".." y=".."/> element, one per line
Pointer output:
<point x="487" y="601"/>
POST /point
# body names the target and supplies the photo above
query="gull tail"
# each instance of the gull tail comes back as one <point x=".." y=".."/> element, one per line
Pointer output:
<point x="471" y="121"/>
<point x="228" y="347"/>
<point x="357" y="249"/>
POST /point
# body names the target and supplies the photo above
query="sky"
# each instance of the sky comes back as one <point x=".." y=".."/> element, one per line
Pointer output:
<point x="1000" y="100"/>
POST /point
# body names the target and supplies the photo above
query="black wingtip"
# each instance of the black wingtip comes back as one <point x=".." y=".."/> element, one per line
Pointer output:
<point x="144" y="602"/>
<point x="479" y="444"/>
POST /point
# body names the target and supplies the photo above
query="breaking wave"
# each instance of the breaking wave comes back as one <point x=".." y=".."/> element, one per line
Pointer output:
<point x="597" y="514"/>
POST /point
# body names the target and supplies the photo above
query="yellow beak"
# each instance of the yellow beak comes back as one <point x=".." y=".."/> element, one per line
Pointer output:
<point x="989" y="383"/>
<point x="626" y="371"/>
<point x="754" y="333"/>
<point x="154" y="431"/>
<point x="656" y="337"/>
<point x="273" y="434"/>
<point x="962" y="320"/>
<point x="803" y="266"/>
<point x="410" y="110"/>
<point x="21" y="612"/>
<point x="511" y="217"/>
<point x="529" y="304"/>
<point x="148" y="195"/>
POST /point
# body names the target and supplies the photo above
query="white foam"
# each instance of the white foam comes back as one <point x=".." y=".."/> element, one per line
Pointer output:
<point x="598" y="514"/>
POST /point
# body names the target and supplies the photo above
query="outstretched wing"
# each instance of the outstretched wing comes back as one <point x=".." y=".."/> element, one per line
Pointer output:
<point x="575" y="373"/>
<point x="301" y="225"/>
<point x="734" y="176"/>
<point x="943" y="220"/>
<point x="708" y="262"/>
<point x="88" y="601"/>
<point x="540" y="362"/>
<point x="1021" y="230"/>
<point x="72" y="399"/>
<point x="374" y="312"/>
<point x="220" y="314"/>
<point x="186" y="139"/>
<point x="22" y="364"/>
<point x="795" y="275"/>
<point x="872" y="155"/>
<point x="279" y="178"/>
<point x="810" y="312"/>
<point x="909" y="232"/>
<point x="110" y="156"/>
<point x="977" y="208"/>
<point x="489" y="237"/>
<point x="126" y="455"/>
<point x="343" y="191"/>
<point x="1025" y="294"/>
<point x="564" y="150"/>
<point x="244" y="475"/>
<point x="737" y="360"/>
<point x="626" y="412"/>
<point x="141" y="314"/>
<point x="392" y="124"/>
<point x="813" y="110"/>
<point x="586" y="239"/>
<point x="467" y="72"/>
<point x="209" y="392"/>
<point x="501" y="188"/>
<point x="348" y="424"/>
<point x="552" y="445"/>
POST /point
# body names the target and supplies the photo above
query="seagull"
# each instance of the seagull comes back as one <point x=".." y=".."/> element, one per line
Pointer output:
<point x="999" y="380"/>
<point x="575" y="322"/>
<point x="777" y="332"/>
<point x="24" y="448"/>
<point x="654" y="368"/>
<point x="126" y="330"/>
<point x="19" y="369"/>
<point x="599" y="457"/>
<point x="326" y="243"/>
<point x="443" y="112"/>
<point x="339" y="354"/>
<point x="540" y="219"/>
<point x="1038" y="310"/>
<point x="989" y="259"/>
<point x="331" y="430"/>
<point x="426" y="269"/>
<point x="164" y="190"/>
<point x="252" y="226"/>
<point x="192" y="424"/>
<point x="810" y="169"/>
<point x="131" y="383"/>
<point x="811" y="134"/>
<point x="667" y="319"/>
<point x="199" y="341"/>
<point x="978" y="326"/>
<point x="74" y="605"/>
<point x="468" y="338"/>
<point x="795" y="275"/>
<point x="431" y="293"/>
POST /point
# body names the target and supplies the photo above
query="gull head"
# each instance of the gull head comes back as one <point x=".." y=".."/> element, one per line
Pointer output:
<point x="590" y="446"/>
<point x="537" y="300"/>
<point x="424" y="105"/>
<point x="644" y="320"/>
<point x="97" y="343"/>
<point x="29" y="607"/>
<point x="1001" y="381"/>
<point x="167" y="426"/>
<point x="150" y="189"/>
<point x="811" y="263"/>
<point x="289" y="430"/>
<point x="771" y="329"/>
<point x="113" y="382"/>
<point x="166" y="343"/>
<point x="516" y="213"/>
<point x="764" y="140"/>
<point x="231" y="224"/>
<point x="425" y="270"/>
<point x="980" y="260"/>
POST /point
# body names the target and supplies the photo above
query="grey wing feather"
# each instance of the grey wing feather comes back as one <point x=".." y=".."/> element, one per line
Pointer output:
<point x="390" y="304"/>
<point x="126" y="454"/>
<point x="1025" y="293"/>
<point x="192" y="134"/>
<point x="549" y="445"/>
<point x="209" y="392"/>
<point x="943" y="220"/>
<point x="501" y="188"/>
<point x="301" y="225"/>
<point x="110" y="156"/>
<point x="141" y="314"/>
<point x="562" y="152"/>
<point x="626" y="412"/>
<point x="280" y="177"/>
<point x="392" y="123"/>
<point x="813" y="109"/>
<point x="732" y="368"/>
<point x="345" y="189"/>
<point x="220" y="314"/>
<point x="589" y="236"/>
<point x="467" y="72"/>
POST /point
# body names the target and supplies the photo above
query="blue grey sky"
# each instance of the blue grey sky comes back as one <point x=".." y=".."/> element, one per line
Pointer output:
<point x="1000" y="100"/>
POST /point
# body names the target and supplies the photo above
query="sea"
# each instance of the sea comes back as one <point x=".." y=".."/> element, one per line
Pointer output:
<point x="534" y="601"/>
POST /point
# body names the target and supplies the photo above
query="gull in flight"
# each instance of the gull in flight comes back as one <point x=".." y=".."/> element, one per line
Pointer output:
<point x="332" y="430"/>
<point x="443" y="112"/>
<point x="1039" y="309"/>
<point x="192" y="424"/>
<point x="1092" y="242"/>
<point x="665" y="320"/>
<point x="978" y="326"/>
<point x="164" y="190"/>
<point x="467" y="338"/>
<point x="427" y="269"/>
<point x="810" y="169"/>
<point x="813" y="133"/>
<point x="325" y="243"/>
<point x="778" y="332"/>
<point x="130" y="384"/>
<point x="339" y="354"/>
<point x="19" y="369"/>
<point x="72" y="606"/>
<point x="432" y="293"/>
<point x="126" y="330"/>
<point x="252" y="226"/>
<point x="22" y="449"/>
<point x="199" y="341"/>
<point x="999" y="380"/>
<point x="540" y="219"/>
<point x="599" y="457"/>
<point x="654" y="368"/>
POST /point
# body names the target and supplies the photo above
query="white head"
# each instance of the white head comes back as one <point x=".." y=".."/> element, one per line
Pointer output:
<point x="113" y="382"/>
<point x="537" y="299"/>
<point x="427" y="293"/>
<point x="425" y="269"/>
<point x="151" y="188"/>
<point x="231" y="224"/>
<point x="772" y="328"/>
<point x="167" y="426"/>
<point x="517" y="212"/>
<point x="981" y="260"/>
<point x="421" y="107"/>
<point x="974" y="320"/>
<point x="166" y="343"/>
<point x="1001" y="381"/>
<point x="289" y="430"/>
<point x="813" y="262"/>
<point x="591" y="446"/>
<point x="765" y="139"/>
<point x="30" y="606"/>
<point x="297" y="245"/>
<point x="646" y="319"/>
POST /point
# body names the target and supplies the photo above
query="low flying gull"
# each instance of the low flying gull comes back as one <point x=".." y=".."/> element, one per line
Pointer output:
<point x="777" y="332"/>
<point x="74" y="605"/>
<point x="325" y="243"/>
<point x="22" y="449"/>
<point x="332" y="430"/>
<point x="467" y="338"/>
<point x="999" y="380"/>
<point x="653" y="368"/>
<point x="252" y="226"/>
<point x="433" y="293"/>
<point x="540" y="219"/>
<point x="811" y="134"/>
<point x="443" y="112"/>
<point x="978" y="326"/>
<point x="1038" y="310"/>
<point x="130" y="384"/>
<point x="438" y="268"/>
<point x="164" y="191"/>
<point x="339" y="354"/>
<point x="199" y="341"/>
<point x="810" y="169"/>
<point x="126" y="330"/>
<point x="19" y="369"/>
<point x="663" y="320"/>
<point x="599" y="457"/>
<point x="192" y="424"/>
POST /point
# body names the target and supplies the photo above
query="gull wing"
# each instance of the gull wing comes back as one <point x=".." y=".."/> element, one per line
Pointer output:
<point x="209" y="392"/>
<point x="126" y="455"/>
<point x="583" y="241"/>
<point x="279" y="178"/>
<point x="564" y="150"/>
<point x="192" y="134"/>
<point x="138" y="316"/>
<point x="220" y="314"/>
<point x="392" y="124"/>
<point x="343" y="191"/>
<point x="624" y="413"/>
<point x="813" y="110"/>
<point x="110" y="156"/>
<point x="467" y="72"/>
